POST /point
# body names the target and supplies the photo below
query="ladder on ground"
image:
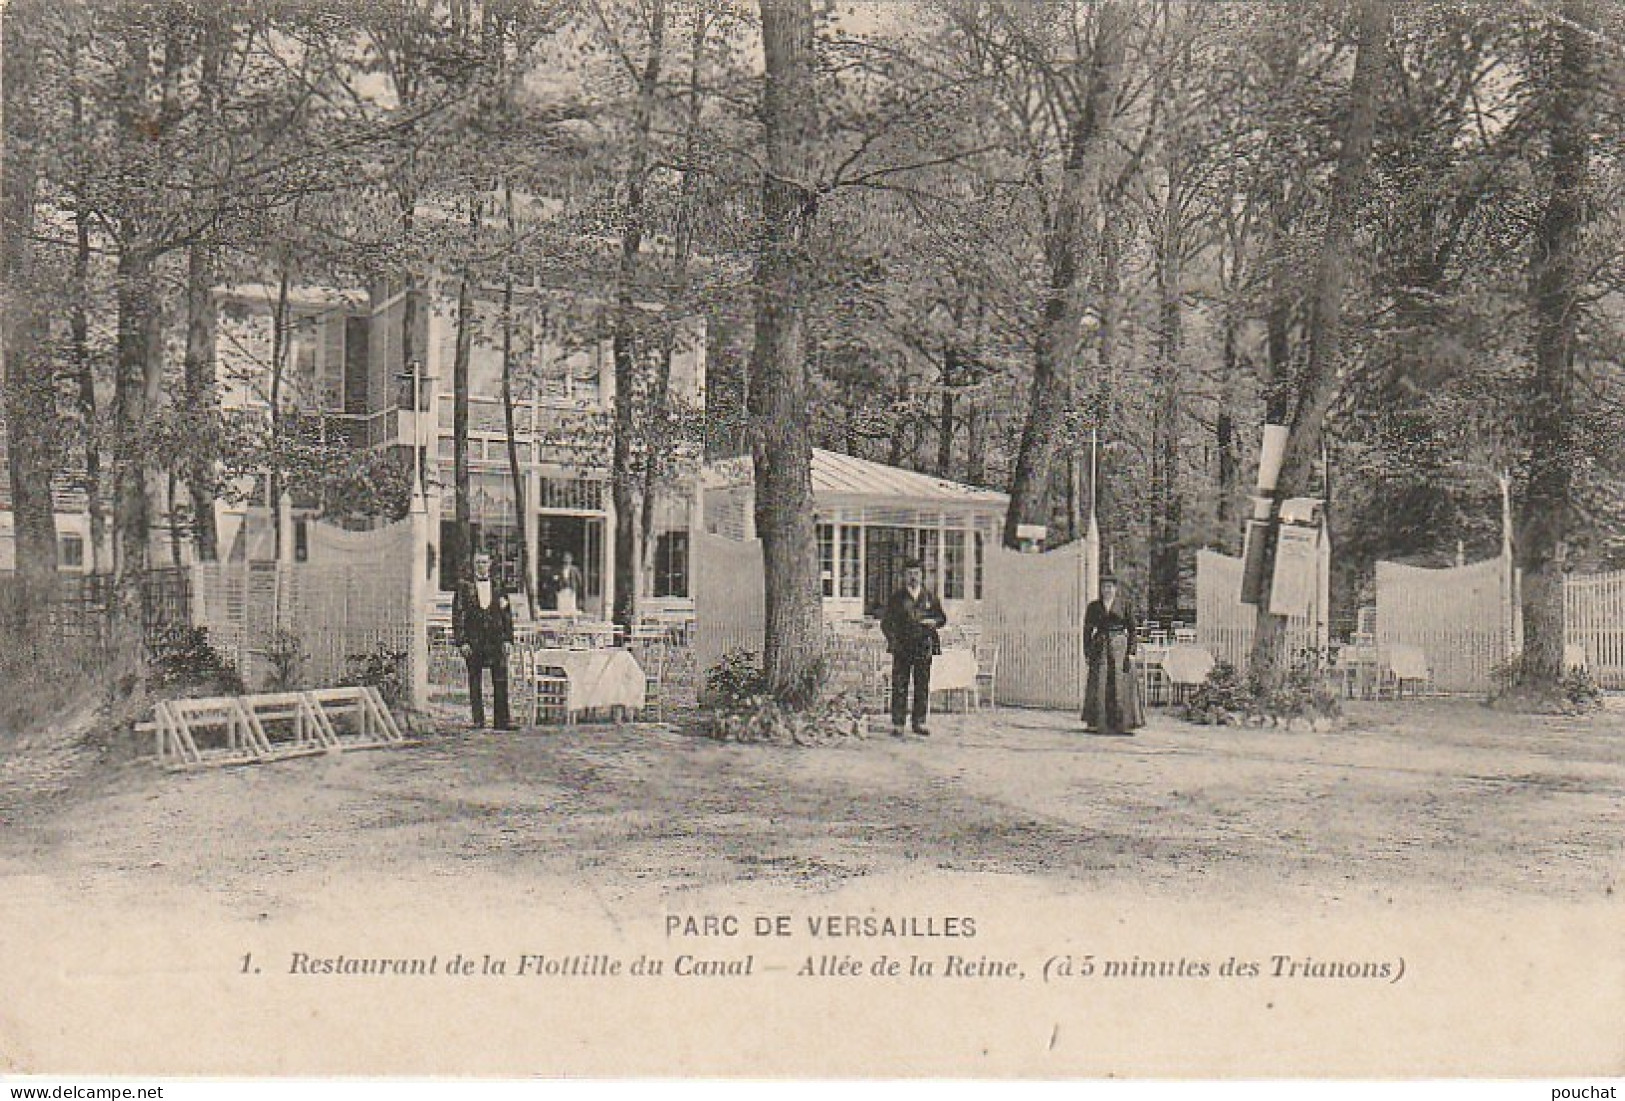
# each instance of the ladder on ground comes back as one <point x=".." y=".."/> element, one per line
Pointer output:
<point x="270" y="726"/>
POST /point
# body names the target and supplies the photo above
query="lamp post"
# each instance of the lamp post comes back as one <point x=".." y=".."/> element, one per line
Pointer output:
<point x="422" y="564"/>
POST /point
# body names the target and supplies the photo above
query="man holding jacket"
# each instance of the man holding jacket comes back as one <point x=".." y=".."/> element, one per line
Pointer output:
<point x="913" y="617"/>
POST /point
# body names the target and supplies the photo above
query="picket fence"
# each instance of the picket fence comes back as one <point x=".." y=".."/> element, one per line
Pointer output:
<point x="1458" y="617"/>
<point x="323" y="611"/>
<point x="1594" y="615"/>
<point x="1032" y="607"/>
<point x="1225" y="626"/>
<point x="729" y="610"/>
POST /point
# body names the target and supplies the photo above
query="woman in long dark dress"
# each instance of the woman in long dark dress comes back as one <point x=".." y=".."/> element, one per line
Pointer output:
<point x="1111" y="702"/>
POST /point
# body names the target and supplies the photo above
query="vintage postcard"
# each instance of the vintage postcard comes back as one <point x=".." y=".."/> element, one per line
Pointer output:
<point x="1019" y="539"/>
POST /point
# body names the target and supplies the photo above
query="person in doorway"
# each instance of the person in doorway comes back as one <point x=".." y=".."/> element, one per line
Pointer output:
<point x="547" y="578"/>
<point x="1111" y="702"/>
<point x="913" y="617"/>
<point x="571" y="585"/>
<point x="482" y="629"/>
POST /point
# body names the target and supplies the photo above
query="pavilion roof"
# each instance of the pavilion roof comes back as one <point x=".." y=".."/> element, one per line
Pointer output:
<point x="848" y="477"/>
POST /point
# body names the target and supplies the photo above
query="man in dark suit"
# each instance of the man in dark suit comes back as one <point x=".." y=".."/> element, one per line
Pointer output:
<point x="913" y="617"/>
<point x="482" y="629"/>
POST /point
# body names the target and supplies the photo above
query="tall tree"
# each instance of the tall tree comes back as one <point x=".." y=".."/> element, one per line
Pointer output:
<point x="460" y="554"/>
<point x="30" y="403"/>
<point x="1089" y="127"/>
<point x="628" y="355"/>
<point x="1318" y="382"/>
<point x="778" y="385"/>
<point x="201" y="401"/>
<point x="1556" y="280"/>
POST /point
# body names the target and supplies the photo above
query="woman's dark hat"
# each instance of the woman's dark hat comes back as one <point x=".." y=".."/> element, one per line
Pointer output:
<point x="1108" y="579"/>
<point x="913" y="564"/>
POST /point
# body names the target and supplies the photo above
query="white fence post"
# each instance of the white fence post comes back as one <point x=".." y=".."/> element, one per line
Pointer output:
<point x="417" y="605"/>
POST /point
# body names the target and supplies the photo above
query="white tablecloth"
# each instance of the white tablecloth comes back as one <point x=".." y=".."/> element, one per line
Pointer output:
<point x="598" y="678"/>
<point x="1187" y="664"/>
<point x="953" y="670"/>
<point x="1181" y="663"/>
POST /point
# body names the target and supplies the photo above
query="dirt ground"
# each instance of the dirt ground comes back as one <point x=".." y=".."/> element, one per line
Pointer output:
<point x="151" y="922"/>
<point x="1414" y="798"/>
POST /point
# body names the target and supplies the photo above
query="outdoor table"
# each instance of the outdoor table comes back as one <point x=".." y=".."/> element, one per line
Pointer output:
<point x="1186" y="664"/>
<point x="954" y="670"/>
<point x="598" y="679"/>
<point x="1407" y="663"/>
<point x="1177" y="665"/>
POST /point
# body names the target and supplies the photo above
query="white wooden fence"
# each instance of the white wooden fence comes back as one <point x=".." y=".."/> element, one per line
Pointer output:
<point x="1457" y="617"/>
<point x="1594" y="617"/>
<point x="1032" y="607"/>
<point x="1224" y="625"/>
<point x="729" y="611"/>
<point x="343" y="605"/>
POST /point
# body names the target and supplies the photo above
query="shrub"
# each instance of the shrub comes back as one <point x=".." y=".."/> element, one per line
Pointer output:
<point x="181" y="660"/>
<point x="734" y="681"/>
<point x="1220" y="700"/>
<point x="1226" y="698"/>
<point x="1577" y="691"/>
<point x="1302" y="693"/>
<point x="762" y="720"/>
<point x="1581" y="689"/>
<point x="383" y="668"/>
<point x="287" y="656"/>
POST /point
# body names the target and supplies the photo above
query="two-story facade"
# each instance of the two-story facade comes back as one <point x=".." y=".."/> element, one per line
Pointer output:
<point x="346" y="360"/>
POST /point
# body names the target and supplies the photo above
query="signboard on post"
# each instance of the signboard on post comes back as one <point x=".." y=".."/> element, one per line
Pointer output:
<point x="1297" y="569"/>
<point x="1296" y="588"/>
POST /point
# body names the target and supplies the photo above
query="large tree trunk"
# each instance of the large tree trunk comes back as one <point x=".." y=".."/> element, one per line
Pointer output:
<point x="793" y="640"/>
<point x="945" y="413"/>
<point x="1318" y="385"/>
<point x="1165" y="504"/>
<point x="201" y="400"/>
<point x="1225" y="442"/>
<point x="85" y="384"/>
<point x="515" y="474"/>
<point x="281" y="329"/>
<point x="461" y="553"/>
<point x="1062" y="321"/>
<point x="202" y="403"/>
<point x="1555" y="282"/>
<point x="137" y="312"/>
<point x="976" y="443"/>
<point x="30" y="402"/>
<point x="1103" y="498"/>
<point x="624" y="483"/>
<point x="660" y="437"/>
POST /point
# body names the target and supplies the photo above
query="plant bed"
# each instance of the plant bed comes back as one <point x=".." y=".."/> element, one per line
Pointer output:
<point x="1299" y="695"/>
<point x="739" y="709"/>
<point x="1575" y="693"/>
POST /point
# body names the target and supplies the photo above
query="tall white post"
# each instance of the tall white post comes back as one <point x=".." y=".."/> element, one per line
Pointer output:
<point x="418" y="600"/>
<point x="1510" y="598"/>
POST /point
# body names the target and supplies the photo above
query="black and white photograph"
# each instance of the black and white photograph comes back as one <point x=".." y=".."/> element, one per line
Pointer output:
<point x="810" y="539"/>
